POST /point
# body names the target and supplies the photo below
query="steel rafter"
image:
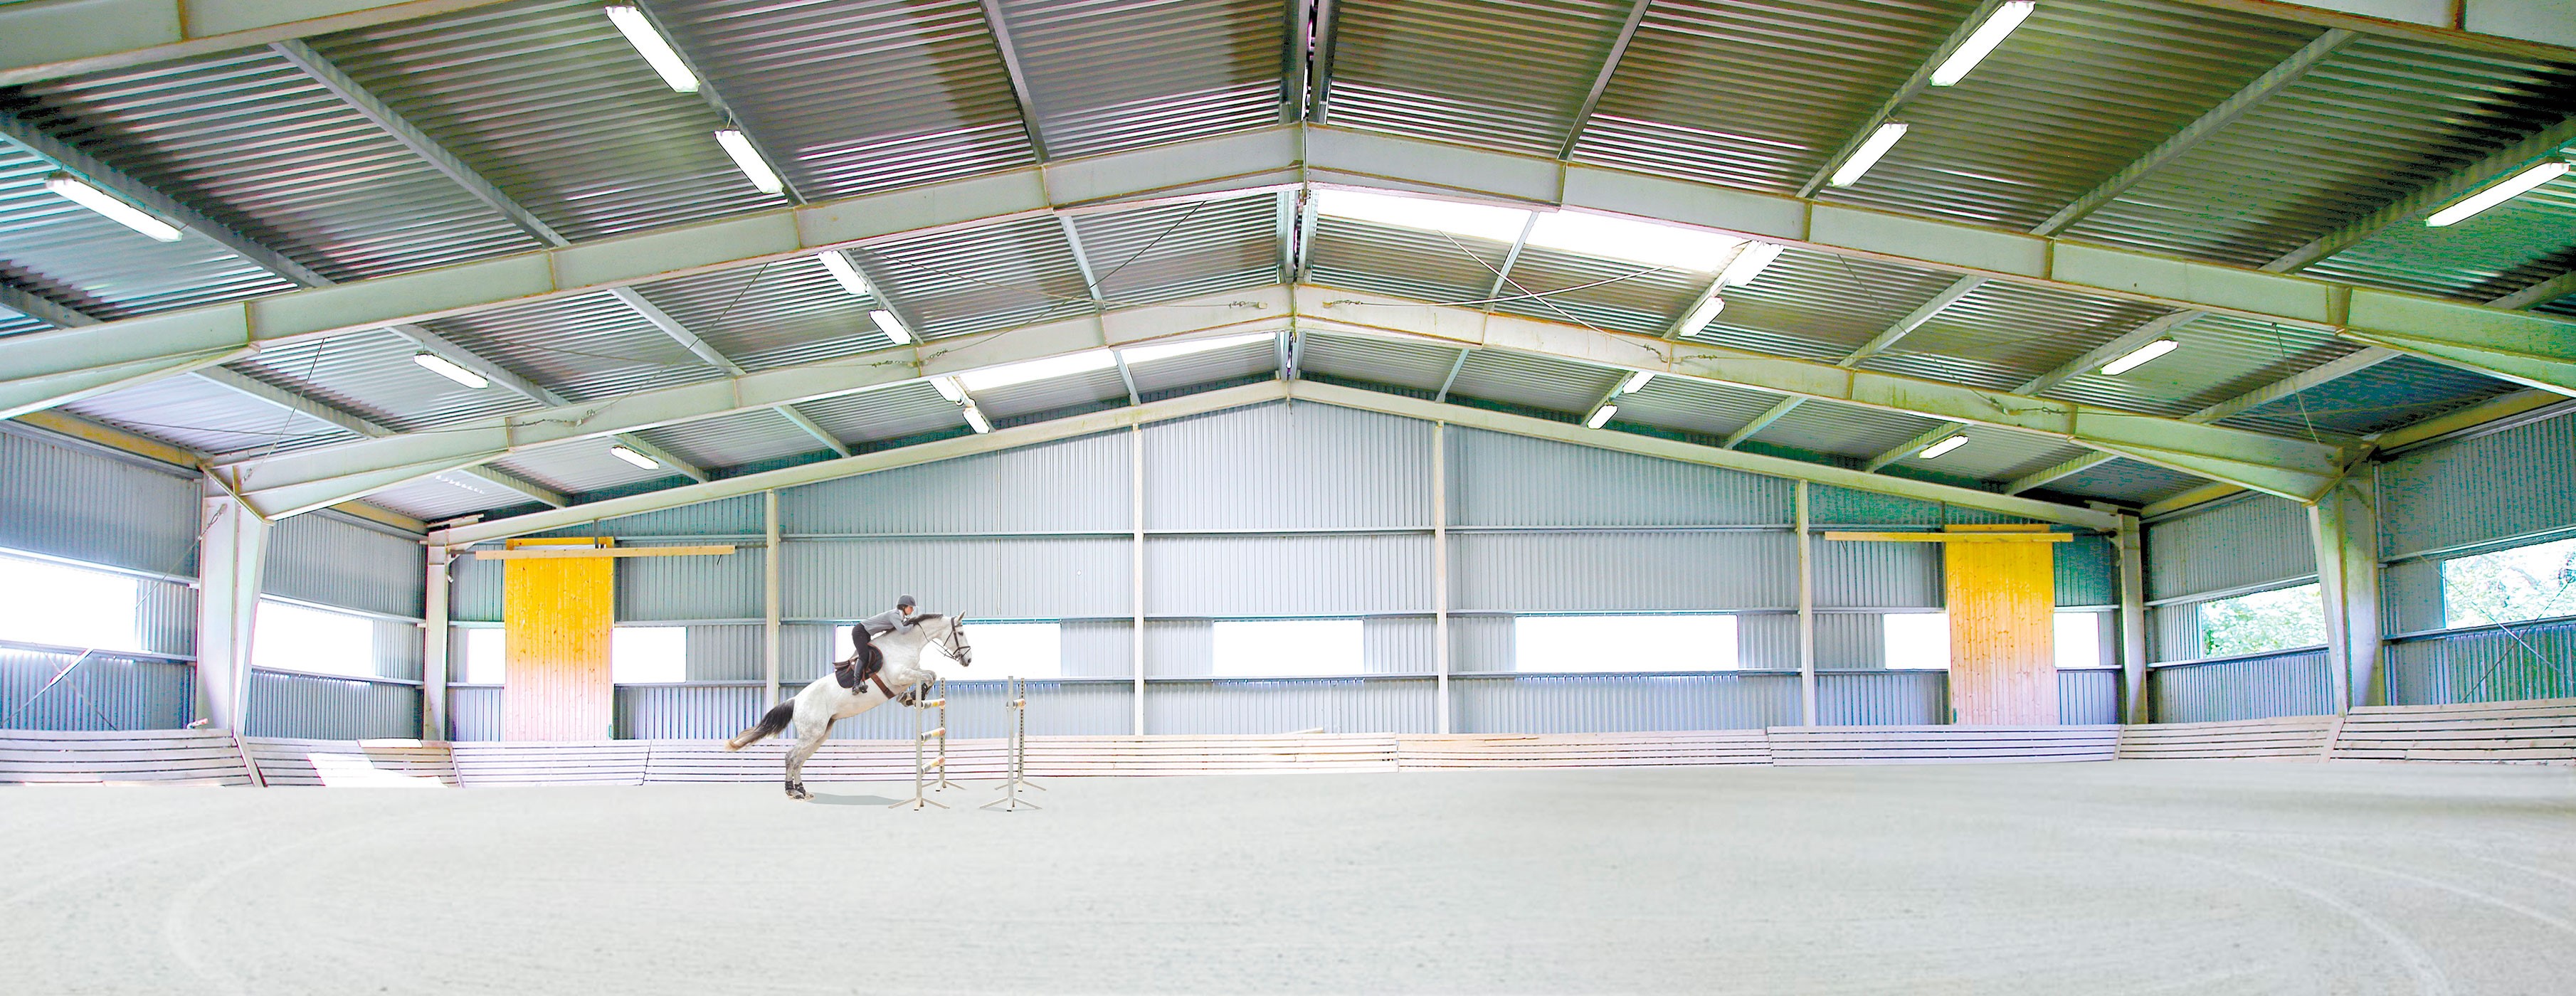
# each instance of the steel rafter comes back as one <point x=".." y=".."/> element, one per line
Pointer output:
<point x="1601" y="79"/>
<point x="1912" y="87"/>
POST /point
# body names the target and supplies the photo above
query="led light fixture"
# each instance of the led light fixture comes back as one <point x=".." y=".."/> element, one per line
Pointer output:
<point x="843" y="273"/>
<point x="747" y="159"/>
<point x="1636" y="382"/>
<point x="891" y="326"/>
<point x="1868" y="154"/>
<point x="655" y="49"/>
<point x="2492" y="196"/>
<point x="975" y="418"/>
<point x="1945" y="446"/>
<point x="447" y="368"/>
<point x="947" y="387"/>
<point x="1750" y="263"/>
<point x="1987" y="36"/>
<point x="2138" y="356"/>
<point x="1700" y="316"/>
<point x="1600" y="416"/>
<point x="630" y="456"/>
<point x="70" y="188"/>
<point x="1168" y="350"/>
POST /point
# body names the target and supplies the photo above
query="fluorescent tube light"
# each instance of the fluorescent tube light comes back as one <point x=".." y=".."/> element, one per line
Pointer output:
<point x="947" y="387"/>
<point x="891" y="326"/>
<point x="1636" y="382"/>
<point x="1600" y="416"/>
<point x="1492" y="224"/>
<point x="1945" y="446"/>
<point x="1750" y="263"/>
<point x="447" y="368"/>
<point x="1046" y="369"/>
<point x="655" y="49"/>
<point x="1634" y="241"/>
<point x="1868" y="154"/>
<point x="845" y="274"/>
<point x="1168" y="350"/>
<point x="975" y="419"/>
<point x="2138" y="356"/>
<point x="630" y="456"/>
<point x="747" y="159"/>
<point x="70" y="188"/>
<point x="1988" y="35"/>
<point x="1700" y="316"/>
<point x="2489" y="197"/>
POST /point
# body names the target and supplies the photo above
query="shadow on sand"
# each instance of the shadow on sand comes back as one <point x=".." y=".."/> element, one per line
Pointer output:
<point x="823" y="799"/>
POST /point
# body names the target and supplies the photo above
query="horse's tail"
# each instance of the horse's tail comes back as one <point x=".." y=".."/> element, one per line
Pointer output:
<point x="770" y="725"/>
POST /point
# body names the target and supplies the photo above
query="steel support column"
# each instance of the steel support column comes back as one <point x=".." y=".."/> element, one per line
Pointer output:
<point x="1806" y="612"/>
<point x="1440" y="566"/>
<point x="2133" y="621"/>
<point x="771" y="631"/>
<point x="232" y="551"/>
<point x="434" y="645"/>
<point x="2344" y="524"/>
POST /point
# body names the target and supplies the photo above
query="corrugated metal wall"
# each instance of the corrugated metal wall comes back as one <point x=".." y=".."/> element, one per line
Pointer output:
<point x="303" y="705"/>
<point x="328" y="559"/>
<point x="102" y="693"/>
<point x="67" y="501"/>
<point x="2233" y="544"/>
<point x="2293" y="684"/>
<point x="1289" y="510"/>
<point x="2513" y="483"/>
<point x="2522" y="661"/>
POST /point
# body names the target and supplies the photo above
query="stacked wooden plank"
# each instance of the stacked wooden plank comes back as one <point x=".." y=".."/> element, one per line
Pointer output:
<point x="2535" y="731"/>
<point x="549" y="762"/>
<point x="1813" y="745"/>
<point x="164" y="757"/>
<point x="1692" y="748"/>
<point x="1181" y="754"/>
<point x="2287" y="738"/>
<point x="347" y="763"/>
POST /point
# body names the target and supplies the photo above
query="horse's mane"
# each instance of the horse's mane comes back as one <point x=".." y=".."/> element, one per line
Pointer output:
<point x="928" y="616"/>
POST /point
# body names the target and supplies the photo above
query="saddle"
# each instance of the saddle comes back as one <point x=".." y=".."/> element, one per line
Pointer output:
<point x="862" y="666"/>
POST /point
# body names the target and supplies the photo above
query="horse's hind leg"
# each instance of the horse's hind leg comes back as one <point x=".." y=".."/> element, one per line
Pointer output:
<point x="809" y="738"/>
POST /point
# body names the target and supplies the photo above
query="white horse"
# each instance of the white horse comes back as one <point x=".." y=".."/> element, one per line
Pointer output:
<point x="813" y="711"/>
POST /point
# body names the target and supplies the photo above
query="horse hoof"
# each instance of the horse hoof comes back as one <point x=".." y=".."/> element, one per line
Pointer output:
<point x="798" y="793"/>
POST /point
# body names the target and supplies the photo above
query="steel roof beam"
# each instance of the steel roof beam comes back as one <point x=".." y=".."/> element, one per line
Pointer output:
<point x="288" y="482"/>
<point x="2532" y="29"/>
<point x="2515" y="158"/>
<point x="1912" y="87"/>
<point x="2288" y="467"/>
<point x="1253" y="394"/>
<point x="2538" y="294"/>
<point x="44" y="368"/>
<point x="71" y="159"/>
<point x="2119" y="346"/>
<point x="1880" y="343"/>
<point x="1091" y="286"/>
<point x="2274" y="80"/>
<point x="374" y="109"/>
<point x="1601" y="80"/>
<point x="1328" y="26"/>
<point x="1000" y="26"/>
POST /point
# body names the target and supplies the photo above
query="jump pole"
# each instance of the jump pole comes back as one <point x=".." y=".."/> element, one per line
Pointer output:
<point x="922" y="763"/>
<point x="1016" y="696"/>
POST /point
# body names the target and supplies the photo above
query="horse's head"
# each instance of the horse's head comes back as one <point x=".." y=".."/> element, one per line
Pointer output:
<point x="948" y="634"/>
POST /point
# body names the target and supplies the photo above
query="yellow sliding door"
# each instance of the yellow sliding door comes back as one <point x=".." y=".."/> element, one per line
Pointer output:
<point x="2003" y="655"/>
<point x="558" y="613"/>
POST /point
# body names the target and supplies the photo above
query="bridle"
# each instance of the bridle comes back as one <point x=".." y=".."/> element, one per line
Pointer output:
<point x="954" y="646"/>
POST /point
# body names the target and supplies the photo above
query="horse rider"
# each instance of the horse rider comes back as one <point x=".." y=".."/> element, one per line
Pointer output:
<point x="865" y="659"/>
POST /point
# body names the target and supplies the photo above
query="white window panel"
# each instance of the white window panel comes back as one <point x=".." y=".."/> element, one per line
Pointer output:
<point x="62" y="605"/>
<point x="1281" y="648"/>
<point x="1624" y="643"/>
<point x="648" y="655"/>
<point x="487" y="652"/>
<point x="295" y="638"/>
<point x="1917" y="641"/>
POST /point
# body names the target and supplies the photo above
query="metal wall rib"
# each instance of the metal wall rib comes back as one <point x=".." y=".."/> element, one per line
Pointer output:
<point x="2256" y="540"/>
<point x="2290" y="684"/>
<point x="68" y="502"/>
<point x="323" y="558"/>
<point x="320" y="708"/>
<point x="2491" y="487"/>
<point x="102" y="693"/>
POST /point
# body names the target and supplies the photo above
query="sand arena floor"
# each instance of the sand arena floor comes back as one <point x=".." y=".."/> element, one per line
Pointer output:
<point x="2131" y="877"/>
